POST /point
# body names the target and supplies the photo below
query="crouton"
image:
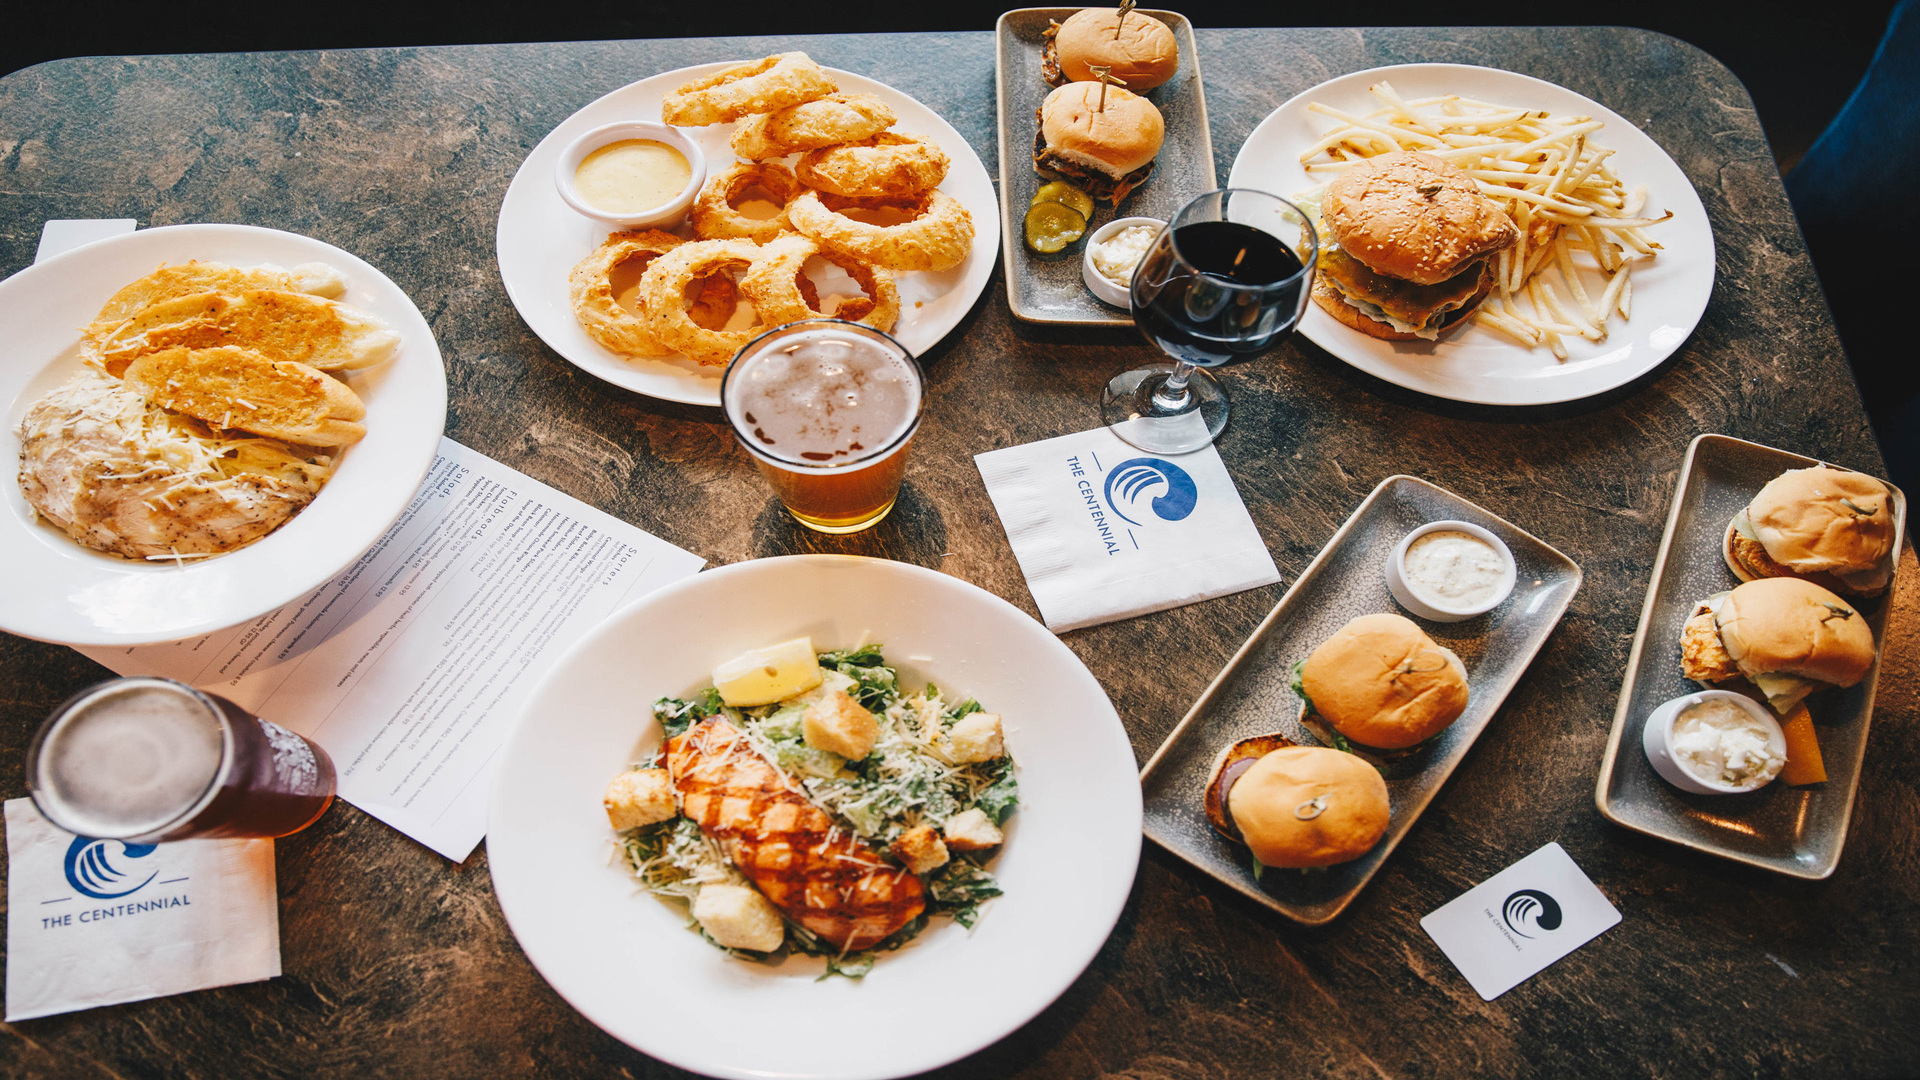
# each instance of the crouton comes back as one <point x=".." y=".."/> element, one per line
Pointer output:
<point x="738" y="917"/>
<point x="838" y="724"/>
<point x="921" y="849"/>
<point x="639" y="797"/>
<point x="976" y="737"/>
<point x="972" y="830"/>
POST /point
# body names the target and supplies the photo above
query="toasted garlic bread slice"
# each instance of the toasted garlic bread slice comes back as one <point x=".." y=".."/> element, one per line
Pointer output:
<point x="244" y="390"/>
<point x="192" y="278"/>
<point x="283" y="325"/>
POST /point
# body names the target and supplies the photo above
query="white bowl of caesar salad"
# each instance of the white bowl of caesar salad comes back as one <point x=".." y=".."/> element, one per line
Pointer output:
<point x="1029" y="790"/>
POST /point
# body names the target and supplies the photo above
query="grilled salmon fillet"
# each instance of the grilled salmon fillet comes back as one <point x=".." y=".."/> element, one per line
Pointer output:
<point x="820" y="875"/>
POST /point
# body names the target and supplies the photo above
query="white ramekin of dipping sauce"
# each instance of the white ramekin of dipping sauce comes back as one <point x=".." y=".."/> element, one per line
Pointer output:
<point x="1658" y="740"/>
<point x="1430" y="602"/>
<point x="1099" y="284"/>
<point x="662" y="216"/>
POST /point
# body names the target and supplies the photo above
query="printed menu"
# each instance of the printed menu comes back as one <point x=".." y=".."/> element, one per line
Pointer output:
<point x="411" y="665"/>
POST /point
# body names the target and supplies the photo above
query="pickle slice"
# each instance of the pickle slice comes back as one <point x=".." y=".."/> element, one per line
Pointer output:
<point x="1051" y="226"/>
<point x="1062" y="191"/>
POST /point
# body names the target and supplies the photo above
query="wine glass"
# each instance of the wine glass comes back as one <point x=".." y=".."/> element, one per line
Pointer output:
<point x="1225" y="281"/>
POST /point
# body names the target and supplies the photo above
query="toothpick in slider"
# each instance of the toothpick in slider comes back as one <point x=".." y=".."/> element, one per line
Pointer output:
<point x="1102" y="72"/>
<point x="1126" y="6"/>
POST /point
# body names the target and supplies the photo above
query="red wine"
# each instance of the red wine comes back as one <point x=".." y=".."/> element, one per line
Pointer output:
<point x="1219" y="292"/>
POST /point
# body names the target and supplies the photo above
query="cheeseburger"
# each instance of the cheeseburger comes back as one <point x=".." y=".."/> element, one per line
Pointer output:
<point x="1297" y="806"/>
<point x="1829" y="526"/>
<point x="1786" y="636"/>
<point x="1404" y="245"/>
<point x="1139" y="49"/>
<point x="1381" y="682"/>
<point x="1108" y="150"/>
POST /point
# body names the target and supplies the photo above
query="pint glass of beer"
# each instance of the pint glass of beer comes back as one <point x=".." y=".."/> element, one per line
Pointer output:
<point x="826" y="407"/>
<point x="147" y="760"/>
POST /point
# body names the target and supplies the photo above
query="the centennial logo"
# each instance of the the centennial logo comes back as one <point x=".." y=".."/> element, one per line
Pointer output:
<point x="97" y="871"/>
<point x="1173" y="493"/>
<point x="1530" y="908"/>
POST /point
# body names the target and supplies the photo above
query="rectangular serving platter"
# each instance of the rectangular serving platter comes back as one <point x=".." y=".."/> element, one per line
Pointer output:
<point x="1253" y="694"/>
<point x="1793" y="830"/>
<point x="1048" y="288"/>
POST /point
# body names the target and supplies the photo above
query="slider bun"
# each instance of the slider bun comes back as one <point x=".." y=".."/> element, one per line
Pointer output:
<point x="1144" y="55"/>
<point x="1804" y="524"/>
<point x="1786" y="626"/>
<point x="1269" y="801"/>
<point x="1117" y="140"/>
<point x="1382" y="682"/>
<point x="1330" y="301"/>
<point x="1413" y="216"/>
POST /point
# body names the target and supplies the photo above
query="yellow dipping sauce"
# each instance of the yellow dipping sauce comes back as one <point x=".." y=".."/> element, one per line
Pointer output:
<point x="631" y="176"/>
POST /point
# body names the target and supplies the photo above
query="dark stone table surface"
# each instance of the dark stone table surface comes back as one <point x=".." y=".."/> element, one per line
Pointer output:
<point x="399" y="964"/>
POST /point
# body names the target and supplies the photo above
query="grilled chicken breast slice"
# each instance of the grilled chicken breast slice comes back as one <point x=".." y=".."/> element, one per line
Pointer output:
<point x="822" y="876"/>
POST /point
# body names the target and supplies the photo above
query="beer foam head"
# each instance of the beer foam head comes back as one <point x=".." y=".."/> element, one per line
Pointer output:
<point x="824" y="397"/>
<point x="127" y="758"/>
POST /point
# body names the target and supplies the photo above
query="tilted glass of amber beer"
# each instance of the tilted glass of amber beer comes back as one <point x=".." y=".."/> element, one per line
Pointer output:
<point x="826" y="407"/>
<point x="146" y="760"/>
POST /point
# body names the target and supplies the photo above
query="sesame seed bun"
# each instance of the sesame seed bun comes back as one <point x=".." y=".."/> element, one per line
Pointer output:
<point x="1309" y="806"/>
<point x="1413" y="216"/>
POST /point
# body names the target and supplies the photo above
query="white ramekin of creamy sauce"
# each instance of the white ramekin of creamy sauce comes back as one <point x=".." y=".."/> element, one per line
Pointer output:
<point x="1112" y="252"/>
<point x="1447" y="571"/>
<point x="635" y="174"/>
<point x="1715" y="742"/>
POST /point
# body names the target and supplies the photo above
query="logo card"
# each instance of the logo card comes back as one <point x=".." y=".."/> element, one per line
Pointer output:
<point x="1517" y="922"/>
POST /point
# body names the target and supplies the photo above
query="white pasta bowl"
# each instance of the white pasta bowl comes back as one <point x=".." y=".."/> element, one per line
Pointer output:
<point x="626" y="959"/>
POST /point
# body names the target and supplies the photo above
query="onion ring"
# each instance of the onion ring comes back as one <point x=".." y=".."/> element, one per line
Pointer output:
<point x="759" y="86"/>
<point x="664" y="287"/>
<point x="781" y="294"/>
<point x="714" y="216"/>
<point x="938" y="236"/>
<point x="590" y="288"/>
<point x="887" y="166"/>
<point x="830" y="121"/>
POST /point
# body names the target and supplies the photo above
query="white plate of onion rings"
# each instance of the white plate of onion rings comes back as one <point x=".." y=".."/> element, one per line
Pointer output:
<point x="540" y="238"/>
<point x="1665" y="290"/>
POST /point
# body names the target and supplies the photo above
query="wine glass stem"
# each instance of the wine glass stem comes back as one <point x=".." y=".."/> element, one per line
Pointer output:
<point x="1171" y="395"/>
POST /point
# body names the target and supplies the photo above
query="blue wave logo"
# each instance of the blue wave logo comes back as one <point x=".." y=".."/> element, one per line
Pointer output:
<point x="1531" y="907"/>
<point x="96" y="873"/>
<point x="1173" y="491"/>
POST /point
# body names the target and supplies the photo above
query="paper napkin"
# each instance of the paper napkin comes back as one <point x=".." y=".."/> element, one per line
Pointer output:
<point x="1105" y="531"/>
<point x="1515" y="924"/>
<point x="100" y="922"/>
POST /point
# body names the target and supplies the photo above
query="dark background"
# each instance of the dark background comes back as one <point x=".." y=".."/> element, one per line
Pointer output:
<point x="1799" y="60"/>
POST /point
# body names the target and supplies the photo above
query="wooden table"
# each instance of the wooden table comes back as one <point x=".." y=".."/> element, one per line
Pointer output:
<point x="398" y="964"/>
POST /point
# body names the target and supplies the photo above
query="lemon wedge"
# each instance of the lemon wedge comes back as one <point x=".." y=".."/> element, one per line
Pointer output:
<point x="766" y="675"/>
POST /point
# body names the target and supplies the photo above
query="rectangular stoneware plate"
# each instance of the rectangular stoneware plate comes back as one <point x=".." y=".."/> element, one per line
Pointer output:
<point x="1048" y="288"/>
<point x="1795" y="830"/>
<point x="1254" y="695"/>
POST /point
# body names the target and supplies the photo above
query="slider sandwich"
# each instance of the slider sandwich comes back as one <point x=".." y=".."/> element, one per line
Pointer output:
<point x="1138" y="50"/>
<point x="1382" y="683"/>
<point x="1788" y="637"/>
<point x="1405" y="240"/>
<point x="1296" y="806"/>
<point x="1106" y="147"/>
<point x="1829" y="526"/>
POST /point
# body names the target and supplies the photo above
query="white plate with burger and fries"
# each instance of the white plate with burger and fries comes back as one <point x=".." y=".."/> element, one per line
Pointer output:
<point x="539" y="237"/>
<point x="1572" y="311"/>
